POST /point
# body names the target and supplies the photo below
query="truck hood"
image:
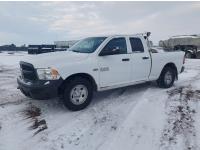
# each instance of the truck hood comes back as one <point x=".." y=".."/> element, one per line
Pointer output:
<point x="54" y="59"/>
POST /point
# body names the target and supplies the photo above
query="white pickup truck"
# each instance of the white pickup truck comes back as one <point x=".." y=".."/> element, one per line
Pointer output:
<point x="97" y="64"/>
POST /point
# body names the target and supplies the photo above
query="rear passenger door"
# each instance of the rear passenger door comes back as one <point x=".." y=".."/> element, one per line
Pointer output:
<point x="140" y="60"/>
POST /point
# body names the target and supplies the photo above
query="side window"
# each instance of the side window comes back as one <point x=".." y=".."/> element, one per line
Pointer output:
<point x="116" y="44"/>
<point x="136" y="45"/>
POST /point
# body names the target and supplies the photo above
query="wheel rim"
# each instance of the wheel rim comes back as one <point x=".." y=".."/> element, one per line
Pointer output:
<point x="78" y="94"/>
<point x="168" y="77"/>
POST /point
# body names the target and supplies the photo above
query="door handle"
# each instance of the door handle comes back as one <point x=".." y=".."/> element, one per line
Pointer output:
<point x="125" y="59"/>
<point x="145" y="57"/>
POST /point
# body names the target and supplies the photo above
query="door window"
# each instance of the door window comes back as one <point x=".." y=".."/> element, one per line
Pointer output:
<point x="136" y="45"/>
<point x="116" y="44"/>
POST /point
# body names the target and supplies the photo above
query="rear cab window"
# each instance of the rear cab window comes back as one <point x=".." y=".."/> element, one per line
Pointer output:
<point x="136" y="45"/>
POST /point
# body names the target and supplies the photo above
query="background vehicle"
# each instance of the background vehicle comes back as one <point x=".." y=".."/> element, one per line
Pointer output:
<point x="39" y="49"/>
<point x="97" y="64"/>
<point x="190" y="44"/>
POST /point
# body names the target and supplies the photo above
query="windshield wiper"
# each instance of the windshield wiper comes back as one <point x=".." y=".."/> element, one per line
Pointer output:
<point x="76" y="51"/>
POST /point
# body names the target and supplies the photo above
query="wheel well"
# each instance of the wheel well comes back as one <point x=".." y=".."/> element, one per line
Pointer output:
<point x="173" y="66"/>
<point x="82" y="75"/>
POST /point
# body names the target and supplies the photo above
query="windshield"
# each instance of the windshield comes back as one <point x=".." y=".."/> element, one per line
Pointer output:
<point x="88" y="45"/>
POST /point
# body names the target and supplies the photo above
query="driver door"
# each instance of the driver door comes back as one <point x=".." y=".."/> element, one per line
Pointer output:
<point x="114" y="63"/>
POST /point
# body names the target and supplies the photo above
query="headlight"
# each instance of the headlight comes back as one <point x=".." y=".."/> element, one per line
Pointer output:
<point x="48" y="74"/>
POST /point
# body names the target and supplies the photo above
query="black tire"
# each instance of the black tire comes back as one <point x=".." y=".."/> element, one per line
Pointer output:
<point x="162" y="83"/>
<point x="68" y="88"/>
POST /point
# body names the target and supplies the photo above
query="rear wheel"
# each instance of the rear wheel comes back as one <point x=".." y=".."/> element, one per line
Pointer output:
<point x="78" y="94"/>
<point x="167" y="77"/>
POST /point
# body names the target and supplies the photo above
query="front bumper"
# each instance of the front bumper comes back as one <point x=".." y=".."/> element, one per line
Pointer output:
<point x="40" y="89"/>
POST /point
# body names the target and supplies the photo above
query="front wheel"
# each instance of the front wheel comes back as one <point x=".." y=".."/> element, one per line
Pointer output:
<point x="167" y="77"/>
<point x="78" y="94"/>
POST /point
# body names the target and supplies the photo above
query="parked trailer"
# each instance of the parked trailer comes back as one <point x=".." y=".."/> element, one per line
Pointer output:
<point x="190" y="44"/>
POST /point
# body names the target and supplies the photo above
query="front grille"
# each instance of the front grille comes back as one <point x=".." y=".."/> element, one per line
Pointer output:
<point x="28" y="72"/>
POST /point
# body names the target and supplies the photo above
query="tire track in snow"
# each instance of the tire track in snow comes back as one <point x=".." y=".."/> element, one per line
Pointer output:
<point x="140" y="128"/>
<point x="181" y="109"/>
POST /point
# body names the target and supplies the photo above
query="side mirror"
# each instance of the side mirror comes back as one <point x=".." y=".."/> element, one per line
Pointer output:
<point x="106" y="52"/>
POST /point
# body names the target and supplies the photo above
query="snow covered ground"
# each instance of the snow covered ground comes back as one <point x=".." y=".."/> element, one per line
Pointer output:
<point x="141" y="117"/>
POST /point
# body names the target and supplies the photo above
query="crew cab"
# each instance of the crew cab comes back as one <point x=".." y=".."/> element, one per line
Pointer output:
<point x="97" y="64"/>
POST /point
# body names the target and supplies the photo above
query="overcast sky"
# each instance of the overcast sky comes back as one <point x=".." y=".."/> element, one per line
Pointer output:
<point x="45" y="22"/>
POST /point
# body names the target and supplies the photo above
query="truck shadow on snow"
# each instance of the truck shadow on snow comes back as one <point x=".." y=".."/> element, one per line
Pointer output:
<point x="181" y="109"/>
<point x="99" y="97"/>
<point x="108" y="96"/>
